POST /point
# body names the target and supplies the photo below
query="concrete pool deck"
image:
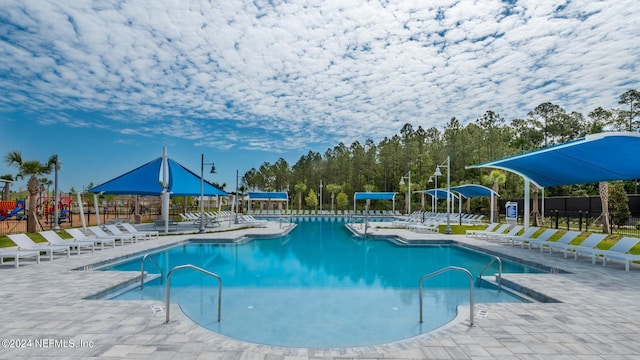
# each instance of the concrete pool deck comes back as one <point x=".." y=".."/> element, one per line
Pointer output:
<point x="45" y="314"/>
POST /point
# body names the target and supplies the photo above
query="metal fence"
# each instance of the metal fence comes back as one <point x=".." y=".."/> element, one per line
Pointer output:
<point x="584" y="221"/>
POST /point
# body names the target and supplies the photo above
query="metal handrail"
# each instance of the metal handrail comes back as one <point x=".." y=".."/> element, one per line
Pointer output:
<point x="456" y="268"/>
<point x="499" y="270"/>
<point x="142" y="270"/>
<point x="168" y="288"/>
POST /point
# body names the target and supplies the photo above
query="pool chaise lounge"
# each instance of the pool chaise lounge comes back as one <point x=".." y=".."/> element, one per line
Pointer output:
<point x="490" y="227"/>
<point x="488" y="234"/>
<point x="53" y="238"/>
<point x="565" y="239"/>
<point x="25" y="243"/>
<point x="513" y="232"/>
<point x="103" y="235"/>
<point x="16" y="255"/>
<point x="132" y="230"/>
<point x="589" y="243"/>
<point x="114" y="230"/>
<point x="527" y="240"/>
<point x="619" y="251"/>
<point x="78" y="235"/>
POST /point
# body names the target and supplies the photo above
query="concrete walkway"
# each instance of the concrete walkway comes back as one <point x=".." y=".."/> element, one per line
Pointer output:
<point x="45" y="315"/>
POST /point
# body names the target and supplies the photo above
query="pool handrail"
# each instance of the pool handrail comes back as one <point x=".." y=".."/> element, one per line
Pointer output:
<point x="448" y="268"/>
<point x="499" y="270"/>
<point x="190" y="266"/>
<point x="142" y="270"/>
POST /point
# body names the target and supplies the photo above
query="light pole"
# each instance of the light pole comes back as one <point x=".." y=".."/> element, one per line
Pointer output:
<point x="432" y="198"/>
<point x="56" y="200"/>
<point x="236" y="220"/>
<point x="213" y="171"/>
<point x="320" y="196"/>
<point x="438" y="173"/>
<point x="408" y="177"/>
<point x="435" y="189"/>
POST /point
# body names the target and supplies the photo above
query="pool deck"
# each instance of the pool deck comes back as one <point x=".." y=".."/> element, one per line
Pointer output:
<point x="598" y="316"/>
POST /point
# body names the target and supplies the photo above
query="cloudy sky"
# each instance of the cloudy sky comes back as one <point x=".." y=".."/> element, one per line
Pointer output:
<point x="106" y="84"/>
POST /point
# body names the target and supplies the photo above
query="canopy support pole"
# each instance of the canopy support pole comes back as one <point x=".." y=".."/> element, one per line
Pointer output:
<point x="527" y="205"/>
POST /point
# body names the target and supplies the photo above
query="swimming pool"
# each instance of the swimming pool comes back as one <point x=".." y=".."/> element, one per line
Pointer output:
<point x="319" y="287"/>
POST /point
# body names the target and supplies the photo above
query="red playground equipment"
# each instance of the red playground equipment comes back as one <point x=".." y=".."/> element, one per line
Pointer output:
<point x="46" y="208"/>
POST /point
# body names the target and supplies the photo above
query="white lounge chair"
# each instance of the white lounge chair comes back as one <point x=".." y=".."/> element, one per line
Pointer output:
<point x="16" y="255"/>
<point x="620" y="248"/>
<point x="53" y="238"/>
<point x="513" y="232"/>
<point x="590" y="242"/>
<point x="489" y="227"/>
<point x="548" y="233"/>
<point x="25" y="243"/>
<point x="103" y="235"/>
<point x="132" y="230"/>
<point x="487" y="234"/>
<point x="78" y="235"/>
<point x="566" y="238"/>
<point x="117" y="232"/>
<point x="622" y="252"/>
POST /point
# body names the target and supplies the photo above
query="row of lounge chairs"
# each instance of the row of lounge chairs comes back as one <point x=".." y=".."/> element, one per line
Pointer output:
<point x="97" y="238"/>
<point x="294" y="212"/>
<point x="509" y="235"/>
<point x="211" y="218"/>
<point x="428" y="221"/>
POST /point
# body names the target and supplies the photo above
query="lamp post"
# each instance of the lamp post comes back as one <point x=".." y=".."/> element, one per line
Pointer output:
<point x="320" y="196"/>
<point x="213" y="171"/>
<point x="236" y="220"/>
<point x="56" y="199"/>
<point x="435" y="189"/>
<point x="408" y="177"/>
<point x="438" y="173"/>
<point x="432" y="198"/>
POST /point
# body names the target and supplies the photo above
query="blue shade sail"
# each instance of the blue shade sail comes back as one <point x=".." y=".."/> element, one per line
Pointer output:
<point x="145" y="180"/>
<point x="374" y="196"/>
<point x="594" y="158"/>
<point x="473" y="190"/>
<point x="269" y="195"/>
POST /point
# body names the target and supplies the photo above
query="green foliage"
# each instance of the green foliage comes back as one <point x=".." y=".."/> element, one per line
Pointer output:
<point x="312" y="199"/>
<point x="420" y="150"/>
<point x="342" y="201"/>
<point x="618" y="204"/>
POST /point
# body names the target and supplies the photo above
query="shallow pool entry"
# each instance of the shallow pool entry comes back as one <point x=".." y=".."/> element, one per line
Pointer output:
<point x="319" y="287"/>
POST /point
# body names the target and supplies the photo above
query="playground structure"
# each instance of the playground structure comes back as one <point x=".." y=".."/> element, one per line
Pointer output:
<point x="46" y="208"/>
<point x="11" y="208"/>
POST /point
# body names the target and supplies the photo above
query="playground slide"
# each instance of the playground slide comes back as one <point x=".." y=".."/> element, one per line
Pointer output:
<point x="6" y="214"/>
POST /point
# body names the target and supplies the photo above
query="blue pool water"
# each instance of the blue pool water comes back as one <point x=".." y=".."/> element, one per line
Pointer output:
<point x="319" y="287"/>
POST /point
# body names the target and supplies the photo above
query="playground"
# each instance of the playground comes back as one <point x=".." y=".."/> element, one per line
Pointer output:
<point x="13" y="213"/>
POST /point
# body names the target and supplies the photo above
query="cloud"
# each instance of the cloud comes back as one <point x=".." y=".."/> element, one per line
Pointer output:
<point x="303" y="74"/>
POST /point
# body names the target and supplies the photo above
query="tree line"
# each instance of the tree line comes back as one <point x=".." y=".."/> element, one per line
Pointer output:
<point x="370" y="166"/>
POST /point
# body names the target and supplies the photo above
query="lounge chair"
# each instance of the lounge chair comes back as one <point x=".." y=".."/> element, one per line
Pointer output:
<point x="16" y="255"/>
<point x="252" y="221"/>
<point x="25" y="243"/>
<point x="590" y="242"/>
<point x="132" y="230"/>
<point x="621" y="247"/>
<point x="103" y="235"/>
<point x="513" y="232"/>
<point x="622" y="253"/>
<point x="548" y="233"/>
<point x="489" y="227"/>
<point x="487" y="234"/>
<point x="512" y="238"/>
<point x="116" y="231"/>
<point x="53" y="238"/>
<point x="565" y="239"/>
<point x="78" y="235"/>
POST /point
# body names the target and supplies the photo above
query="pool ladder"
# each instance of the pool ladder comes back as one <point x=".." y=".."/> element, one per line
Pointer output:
<point x="189" y="266"/>
<point x="142" y="269"/>
<point x="471" y="283"/>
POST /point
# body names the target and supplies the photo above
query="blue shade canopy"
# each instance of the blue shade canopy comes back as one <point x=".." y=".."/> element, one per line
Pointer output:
<point x="440" y="193"/>
<point x="473" y="190"/>
<point x="374" y="196"/>
<point x="269" y="195"/>
<point x="594" y="158"/>
<point x="145" y="180"/>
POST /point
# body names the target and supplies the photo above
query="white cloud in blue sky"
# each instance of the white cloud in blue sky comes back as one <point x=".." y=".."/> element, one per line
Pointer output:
<point x="281" y="77"/>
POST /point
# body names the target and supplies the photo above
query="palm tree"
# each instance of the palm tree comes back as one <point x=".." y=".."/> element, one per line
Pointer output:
<point x="333" y="189"/>
<point x="495" y="179"/>
<point x="31" y="169"/>
<point x="300" y="188"/>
